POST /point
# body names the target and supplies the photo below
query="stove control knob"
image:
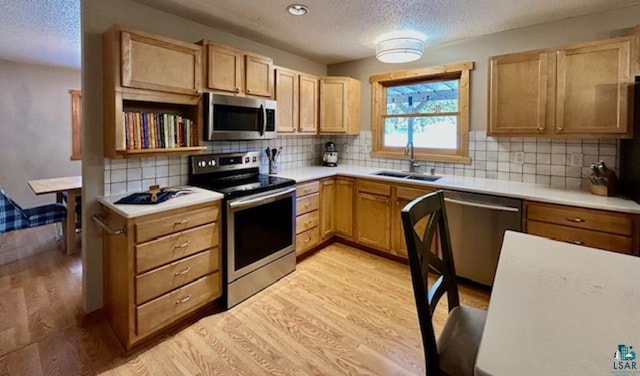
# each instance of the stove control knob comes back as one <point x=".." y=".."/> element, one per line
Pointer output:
<point x="254" y="159"/>
<point x="246" y="160"/>
<point x="202" y="164"/>
<point x="212" y="162"/>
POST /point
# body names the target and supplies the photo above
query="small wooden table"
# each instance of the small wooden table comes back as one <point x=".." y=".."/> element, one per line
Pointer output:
<point x="72" y="185"/>
<point x="561" y="309"/>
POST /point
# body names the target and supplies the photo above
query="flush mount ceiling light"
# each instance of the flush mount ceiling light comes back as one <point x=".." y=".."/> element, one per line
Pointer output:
<point x="298" y="9"/>
<point x="399" y="47"/>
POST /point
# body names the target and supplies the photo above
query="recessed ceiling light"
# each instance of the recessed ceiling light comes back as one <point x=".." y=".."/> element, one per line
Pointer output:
<point x="298" y="9"/>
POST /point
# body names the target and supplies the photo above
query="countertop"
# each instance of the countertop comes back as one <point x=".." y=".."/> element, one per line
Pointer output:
<point x="198" y="196"/>
<point x="527" y="191"/>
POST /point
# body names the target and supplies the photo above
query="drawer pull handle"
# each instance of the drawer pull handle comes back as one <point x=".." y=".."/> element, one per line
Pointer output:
<point x="306" y="206"/>
<point x="185" y="271"/>
<point x="183" y="222"/>
<point x="307" y="240"/>
<point x="576" y="220"/>
<point x="308" y="223"/>
<point x="183" y="244"/>
<point x="576" y="242"/>
<point x="183" y="300"/>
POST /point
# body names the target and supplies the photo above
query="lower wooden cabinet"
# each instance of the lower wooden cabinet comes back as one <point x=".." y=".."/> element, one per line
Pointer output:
<point x="343" y="207"/>
<point x="373" y="215"/>
<point x="327" y="214"/>
<point x="307" y="216"/>
<point x="165" y="267"/>
<point x="404" y="195"/>
<point x="612" y="231"/>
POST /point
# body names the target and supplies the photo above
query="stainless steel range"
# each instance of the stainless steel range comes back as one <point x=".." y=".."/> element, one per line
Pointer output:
<point x="258" y="221"/>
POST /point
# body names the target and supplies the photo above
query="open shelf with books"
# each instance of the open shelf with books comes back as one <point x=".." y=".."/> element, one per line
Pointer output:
<point x="152" y="98"/>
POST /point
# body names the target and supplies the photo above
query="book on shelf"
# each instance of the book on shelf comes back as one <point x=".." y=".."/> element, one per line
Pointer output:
<point x="151" y="130"/>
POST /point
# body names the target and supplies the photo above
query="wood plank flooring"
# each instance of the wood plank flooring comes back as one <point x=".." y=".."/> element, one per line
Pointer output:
<point x="342" y="312"/>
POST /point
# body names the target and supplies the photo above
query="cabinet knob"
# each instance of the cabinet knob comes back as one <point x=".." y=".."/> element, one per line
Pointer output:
<point x="540" y="129"/>
<point x="248" y="90"/>
<point x="237" y="89"/>
<point x="559" y="129"/>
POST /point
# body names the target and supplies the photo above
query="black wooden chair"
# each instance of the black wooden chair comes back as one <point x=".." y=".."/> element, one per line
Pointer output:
<point x="455" y="351"/>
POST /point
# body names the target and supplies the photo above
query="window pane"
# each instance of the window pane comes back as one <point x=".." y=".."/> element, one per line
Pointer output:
<point x="395" y="132"/>
<point x="432" y="132"/>
<point x="430" y="97"/>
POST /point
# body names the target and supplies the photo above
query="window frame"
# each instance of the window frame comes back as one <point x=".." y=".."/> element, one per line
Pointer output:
<point x="379" y="84"/>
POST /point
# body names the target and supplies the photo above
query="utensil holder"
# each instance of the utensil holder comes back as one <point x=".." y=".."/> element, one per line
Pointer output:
<point x="603" y="185"/>
<point x="273" y="167"/>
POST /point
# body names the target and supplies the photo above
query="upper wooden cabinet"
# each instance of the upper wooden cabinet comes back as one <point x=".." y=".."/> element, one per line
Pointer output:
<point x="157" y="63"/>
<point x="339" y="105"/>
<point x="297" y="97"/>
<point x="145" y="76"/>
<point x="576" y="91"/>
<point x="232" y="71"/>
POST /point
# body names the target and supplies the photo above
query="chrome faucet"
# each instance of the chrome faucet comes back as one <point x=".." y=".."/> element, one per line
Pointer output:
<point x="408" y="150"/>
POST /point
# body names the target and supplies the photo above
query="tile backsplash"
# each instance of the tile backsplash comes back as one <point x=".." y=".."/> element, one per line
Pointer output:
<point x="561" y="163"/>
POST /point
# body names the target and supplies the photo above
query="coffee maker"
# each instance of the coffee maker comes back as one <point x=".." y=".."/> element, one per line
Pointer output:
<point x="330" y="156"/>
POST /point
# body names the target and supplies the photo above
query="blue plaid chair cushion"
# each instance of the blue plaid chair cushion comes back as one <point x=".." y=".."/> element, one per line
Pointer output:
<point x="11" y="215"/>
<point x="45" y="214"/>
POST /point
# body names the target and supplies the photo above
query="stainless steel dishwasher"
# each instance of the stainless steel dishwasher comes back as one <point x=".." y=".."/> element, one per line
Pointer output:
<point x="477" y="223"/>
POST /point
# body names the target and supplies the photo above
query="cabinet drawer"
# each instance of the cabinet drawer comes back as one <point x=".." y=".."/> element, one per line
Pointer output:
<point x="307" y="239"/>
<point x="159" y="281"/>
<point x="307" y="204"/>
<point x="595" y="239"/>
<point x="172" y="306"/>
<point x="407" y="193"/>
<point x="306" y="221"/>
<point x="173" y="247"/>
<point x="375" y="188"/>
<point x="307" y="188"/>
<point x="598" y="220"/>
<point x="175" y="222"/>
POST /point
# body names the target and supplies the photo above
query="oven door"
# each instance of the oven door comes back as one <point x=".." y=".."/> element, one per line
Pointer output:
<point x="260" y="229"/>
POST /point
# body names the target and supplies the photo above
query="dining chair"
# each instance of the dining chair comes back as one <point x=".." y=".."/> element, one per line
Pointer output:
<point x="13" y="217"/>
<point x="454" y="353"/>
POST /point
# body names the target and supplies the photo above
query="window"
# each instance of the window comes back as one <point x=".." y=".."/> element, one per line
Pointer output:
<point x="428" y="107"/>
<point x="76" y="125"/>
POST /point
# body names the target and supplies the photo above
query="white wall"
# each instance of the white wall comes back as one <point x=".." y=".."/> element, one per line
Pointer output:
<point x="35" y="113"/>
<point x="570" y="31"/>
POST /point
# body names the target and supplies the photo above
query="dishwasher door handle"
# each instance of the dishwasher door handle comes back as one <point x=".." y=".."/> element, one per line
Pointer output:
<point x="483" y="206"/>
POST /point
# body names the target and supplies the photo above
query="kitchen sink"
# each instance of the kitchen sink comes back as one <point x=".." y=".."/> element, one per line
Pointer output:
<point x="407" y="175"/>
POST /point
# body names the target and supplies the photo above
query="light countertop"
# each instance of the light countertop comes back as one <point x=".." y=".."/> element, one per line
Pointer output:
<point x="198" y="196"/>
<point x="527" y="191"/>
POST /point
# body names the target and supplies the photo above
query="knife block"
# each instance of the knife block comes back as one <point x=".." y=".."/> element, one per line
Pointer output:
<point x="607" y="185"/>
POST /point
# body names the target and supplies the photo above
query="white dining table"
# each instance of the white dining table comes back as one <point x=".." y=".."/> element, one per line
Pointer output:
<point x="561" y="309"/>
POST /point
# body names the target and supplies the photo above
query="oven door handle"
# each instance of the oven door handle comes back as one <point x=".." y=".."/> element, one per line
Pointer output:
<point x="261" y="198"/>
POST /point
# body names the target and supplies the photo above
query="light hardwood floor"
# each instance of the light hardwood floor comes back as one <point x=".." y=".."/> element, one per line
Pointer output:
<point x="342" y="312"/>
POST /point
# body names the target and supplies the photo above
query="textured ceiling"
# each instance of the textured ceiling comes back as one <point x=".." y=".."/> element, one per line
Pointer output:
<point x="48" y="31"/>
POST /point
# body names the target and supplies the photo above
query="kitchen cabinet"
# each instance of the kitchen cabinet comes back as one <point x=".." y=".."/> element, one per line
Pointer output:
<point x="235" y="72"/>
<point x="574" y="91"/>
<point x="327" y="214"/>
<point x="343" y="207"/>
<point x="617" y="232"/>
<point x="307" y="216"/>
<point x="165" y="268"/>
<point x="147" y="73"/>
<point x="339" y="105"/>
<point x="297" y="98"/>
<point x="404" y="195"/>
<point x="373" y="215"/>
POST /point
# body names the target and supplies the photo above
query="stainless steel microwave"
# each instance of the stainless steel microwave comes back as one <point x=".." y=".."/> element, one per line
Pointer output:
<point x="238" y="118"/>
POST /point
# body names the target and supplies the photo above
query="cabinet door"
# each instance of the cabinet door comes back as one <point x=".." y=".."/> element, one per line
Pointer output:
<point x="593" y="83"/>
<point x="258" y="75"/>
<point x="327" y="215"/>
<point x="333" y="105"/>
<point x="343" y="207"/>
<point x="287" y="99"/>
<point x="518" y="88"/>
<point x="224" y="68"/>
<point x="308" y="104"/>
<point x="404" y="195"/>
<point x="374" y="221"/>
<point x="158" y="63"/>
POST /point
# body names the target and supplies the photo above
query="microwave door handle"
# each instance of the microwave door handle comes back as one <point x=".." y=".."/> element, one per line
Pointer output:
<point x="263" y="114"/>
